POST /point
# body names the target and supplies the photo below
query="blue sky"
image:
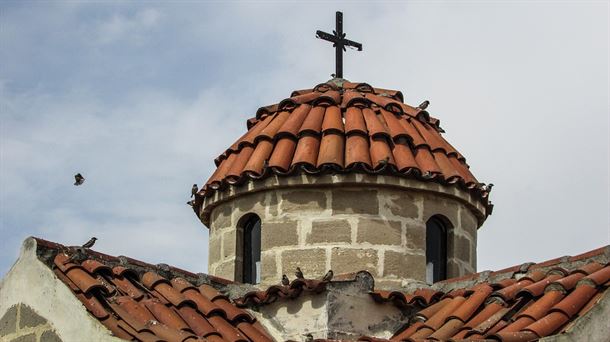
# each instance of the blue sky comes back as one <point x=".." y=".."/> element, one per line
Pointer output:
<point x="141" y="96"/>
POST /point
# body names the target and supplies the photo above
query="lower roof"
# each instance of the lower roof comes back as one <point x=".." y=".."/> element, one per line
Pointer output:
<point x="144" y="302"/>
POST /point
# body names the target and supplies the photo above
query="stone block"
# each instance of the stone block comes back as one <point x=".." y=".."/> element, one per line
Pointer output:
<point x="462" y="248"/>
<point x="438" y="205"/>
<point x="273" y="203"/>
<point x="404" y="265"/>
<point x="229" y="244"/>
<point x="468" y="222"/>
<point x="311" y="261"/>
<point x="346" y="260"/>
<point x="250" y="203"/>
<point x="25" y="338"/>
<point x="8" y="322"/>
<point x="214" y="250"/>
<point x="49" y="336"/>
<point x="402" y="203"/>
<point x="355" y="202"/>
<point x="225" y="270"/>
<point x="268" y="267"/>
<point x="275" y="234"/>
<point x="453" y="269"/>
<point x="303" y="200"/>
<point x="416" y="236"/>
<point x="379" y="232"/>
<point x="29" y="318"/>
<point x="221" y="216"/>
<point x="330" y="231"/>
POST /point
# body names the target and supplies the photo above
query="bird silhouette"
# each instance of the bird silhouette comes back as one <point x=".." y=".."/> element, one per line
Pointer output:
<point x="90" y="243"/>
<point x="78" y="179"/>
<point x="194" y="190"/>
<point x="285" y="280"/>
<point x="424" y="105"/>
<point x="299" y="273"/>
<point x="328" y="276"/>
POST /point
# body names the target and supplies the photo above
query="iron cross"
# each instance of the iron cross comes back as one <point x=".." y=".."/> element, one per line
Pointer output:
<point x="339" y="42"/>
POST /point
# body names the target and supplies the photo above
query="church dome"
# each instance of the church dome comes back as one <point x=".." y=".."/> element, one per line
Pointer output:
<point x="343" y="127"/>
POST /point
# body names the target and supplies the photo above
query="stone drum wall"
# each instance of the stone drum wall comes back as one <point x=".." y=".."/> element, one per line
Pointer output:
<point x="372" y="223"/>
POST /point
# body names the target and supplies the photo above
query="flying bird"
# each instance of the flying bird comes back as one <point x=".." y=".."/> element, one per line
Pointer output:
<point x="194" y="190"/>
<point x="424" y="105"/>
<point x="78" y="179"/>
<point x="285" y="280"/>
<point x="328" y="276"/>
<point x="90" y="243"/>
<point x="299" y="273"/>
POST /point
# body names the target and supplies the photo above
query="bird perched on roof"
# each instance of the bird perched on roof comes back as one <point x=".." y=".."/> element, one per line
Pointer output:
<point x="285" y="280"/>
<point x="90" y="243"/>
<point x="487" y="187"/>
<point x="299" y="273"/>
<point x="194" y="190"/>
<point x="328" y="276"/>
<point x="424" y="105"/>
<point x="308" y="337"/>
<point x="78" y="179"/>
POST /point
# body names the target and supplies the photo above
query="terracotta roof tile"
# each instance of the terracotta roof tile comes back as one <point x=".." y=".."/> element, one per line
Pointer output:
<point x="149" y="303"/>
<point x="526" y="306"/>
<point x="343" y="129"/>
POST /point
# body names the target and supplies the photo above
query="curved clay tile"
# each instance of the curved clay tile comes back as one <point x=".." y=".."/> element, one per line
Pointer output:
<point x="352" y="98"/>
<point x="282" y="154"/>
<point x="333" y="120"/>
<point x="258" y="158"/>
<point x="354" y="121"/>
<point x="295" y="120"/>
<point x="315" y="131"/>
<point x="357" y="151"/>
<point x="331" y="150"/>
<point x="373" y="124"/>
<point x="307" y="150"/>
<point x="164" y="314"/>
<point x="313" y="122"/>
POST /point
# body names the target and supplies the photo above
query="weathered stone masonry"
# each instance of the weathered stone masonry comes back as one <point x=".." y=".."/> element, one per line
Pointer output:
<point x="21" y="324"/>
<point x="347" y="223"/>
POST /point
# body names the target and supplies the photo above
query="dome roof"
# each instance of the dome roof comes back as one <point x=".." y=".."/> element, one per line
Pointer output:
<point x="342" y="127"/>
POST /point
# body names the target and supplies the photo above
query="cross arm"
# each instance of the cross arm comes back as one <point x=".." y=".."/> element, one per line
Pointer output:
<point x="326" y="36"/>
<point x="348" y="42"/>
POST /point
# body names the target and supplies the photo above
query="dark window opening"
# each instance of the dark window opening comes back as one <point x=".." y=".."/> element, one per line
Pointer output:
<point x="252" y="250"/>
<point x="436" y="250"/>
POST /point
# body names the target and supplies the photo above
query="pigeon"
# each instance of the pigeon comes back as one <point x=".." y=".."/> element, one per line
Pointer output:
<point x="194" y="190"/>
<point x="299" y="273"/>
<point x="424" y="105"/>
<point x="78" y="179"/>
<point x="285" y="280"/>
<point x="328" y="276"/>
<point x="308" y="338"/>
<point x="77" y="257"/>
<point x="90" y="243"/>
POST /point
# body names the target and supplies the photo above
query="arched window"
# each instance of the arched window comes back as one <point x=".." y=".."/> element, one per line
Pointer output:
<point x="250" y="229"/>
<point x="436" y="250"/>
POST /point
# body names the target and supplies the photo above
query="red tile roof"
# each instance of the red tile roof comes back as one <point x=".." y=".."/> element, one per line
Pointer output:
<point x="522" y="303"/>
<point x="343" y="127"/>
<point x="139" y="301"/>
